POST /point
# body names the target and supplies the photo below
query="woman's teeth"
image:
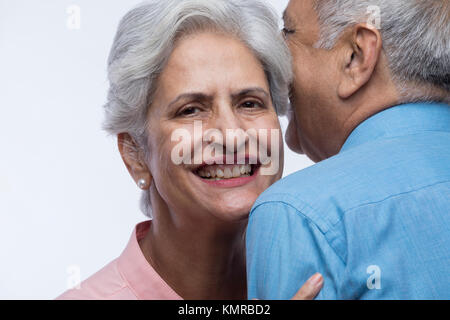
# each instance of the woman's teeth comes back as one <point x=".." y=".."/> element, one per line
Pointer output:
<point x="219" y="172"/>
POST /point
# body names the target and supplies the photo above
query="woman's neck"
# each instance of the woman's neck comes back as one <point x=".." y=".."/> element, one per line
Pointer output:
<point x="198" y="260"/>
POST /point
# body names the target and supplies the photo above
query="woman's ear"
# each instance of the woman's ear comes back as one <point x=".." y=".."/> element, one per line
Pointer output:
<point x="362" y="51"/>
<point x="133" y="157"/>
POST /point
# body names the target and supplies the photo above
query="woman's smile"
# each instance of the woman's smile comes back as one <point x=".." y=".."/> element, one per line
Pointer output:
<point x="228" y="175"/>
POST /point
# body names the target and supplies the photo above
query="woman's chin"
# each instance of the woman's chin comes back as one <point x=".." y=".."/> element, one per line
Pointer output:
<point x="230" y="217"/>
<point x="226" y="202"/>
<point x="232" y="213"/>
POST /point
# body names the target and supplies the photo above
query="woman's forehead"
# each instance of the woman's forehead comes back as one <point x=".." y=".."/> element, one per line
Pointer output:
<point x="209" y="63"/>
<point x="208" y="53"/>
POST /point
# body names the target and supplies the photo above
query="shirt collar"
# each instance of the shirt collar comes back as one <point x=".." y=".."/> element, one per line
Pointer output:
<point x="401" y="120"/>
<point x="139" y="274"/>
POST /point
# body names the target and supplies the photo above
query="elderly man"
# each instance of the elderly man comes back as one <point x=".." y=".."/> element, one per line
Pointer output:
<point x="370" y="104"/>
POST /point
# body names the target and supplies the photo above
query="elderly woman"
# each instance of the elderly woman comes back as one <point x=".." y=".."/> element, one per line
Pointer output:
<point x="174" y="65"/>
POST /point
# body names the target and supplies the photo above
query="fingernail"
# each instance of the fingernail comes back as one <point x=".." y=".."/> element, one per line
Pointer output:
<point x="316" y="280"/>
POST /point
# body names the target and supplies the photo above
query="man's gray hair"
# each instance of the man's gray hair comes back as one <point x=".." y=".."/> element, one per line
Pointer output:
<point x="146" y="36"/>
<point x="416" y="39"/>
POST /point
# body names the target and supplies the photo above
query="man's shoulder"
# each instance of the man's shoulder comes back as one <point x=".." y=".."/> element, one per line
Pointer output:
<point x="362" y="175"/>
<point x="314" y="185"/>
<point x="308" y="193"/>
<point x="308" y="180"/>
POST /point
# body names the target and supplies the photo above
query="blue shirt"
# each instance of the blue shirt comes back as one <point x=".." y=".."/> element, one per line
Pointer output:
<point x="374" y="219"/>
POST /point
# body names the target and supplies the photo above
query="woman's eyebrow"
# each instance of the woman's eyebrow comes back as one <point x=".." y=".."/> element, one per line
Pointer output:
<point x="197" y="96"/>
<point x="247" y="91"/>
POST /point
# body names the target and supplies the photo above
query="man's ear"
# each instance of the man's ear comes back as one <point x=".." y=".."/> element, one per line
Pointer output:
<point x="362" y="49"/>
<point x="133" y="158"/>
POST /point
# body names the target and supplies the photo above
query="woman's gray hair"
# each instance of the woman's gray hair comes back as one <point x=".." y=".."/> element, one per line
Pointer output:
<point x="416" y="39"/>
<point x="146" y="36"/>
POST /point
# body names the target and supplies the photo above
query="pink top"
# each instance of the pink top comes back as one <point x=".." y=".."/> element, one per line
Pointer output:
<point x="129" y="277"/>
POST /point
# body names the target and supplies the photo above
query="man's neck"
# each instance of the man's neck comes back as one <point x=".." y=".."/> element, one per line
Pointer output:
<point x="380" y="95"/>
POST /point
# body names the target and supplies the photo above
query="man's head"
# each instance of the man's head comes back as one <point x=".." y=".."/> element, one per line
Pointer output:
<point x="355" y="58"/>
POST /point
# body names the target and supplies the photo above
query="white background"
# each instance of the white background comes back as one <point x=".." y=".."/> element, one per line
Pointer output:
<point x="66" y="198"/>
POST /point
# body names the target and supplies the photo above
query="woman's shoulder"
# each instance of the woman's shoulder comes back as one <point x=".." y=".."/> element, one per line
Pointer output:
<point x="107" y="283"/>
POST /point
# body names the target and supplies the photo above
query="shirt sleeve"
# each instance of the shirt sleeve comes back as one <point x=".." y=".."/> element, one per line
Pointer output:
<point x="285" y="248"/>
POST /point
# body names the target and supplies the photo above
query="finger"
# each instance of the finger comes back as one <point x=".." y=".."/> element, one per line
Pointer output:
<point x="310" y="289"/>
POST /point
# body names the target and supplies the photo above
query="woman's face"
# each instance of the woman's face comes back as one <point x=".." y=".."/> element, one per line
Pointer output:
<point x="212" y="81"/>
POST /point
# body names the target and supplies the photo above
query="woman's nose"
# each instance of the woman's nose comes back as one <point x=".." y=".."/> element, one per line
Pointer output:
<point x="231" y="126"/>
<point x="226" y="119"/>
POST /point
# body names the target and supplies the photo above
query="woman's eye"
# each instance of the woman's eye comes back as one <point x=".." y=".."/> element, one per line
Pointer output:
<point x="251" y="105"/>
<point x="189" y="111"/>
